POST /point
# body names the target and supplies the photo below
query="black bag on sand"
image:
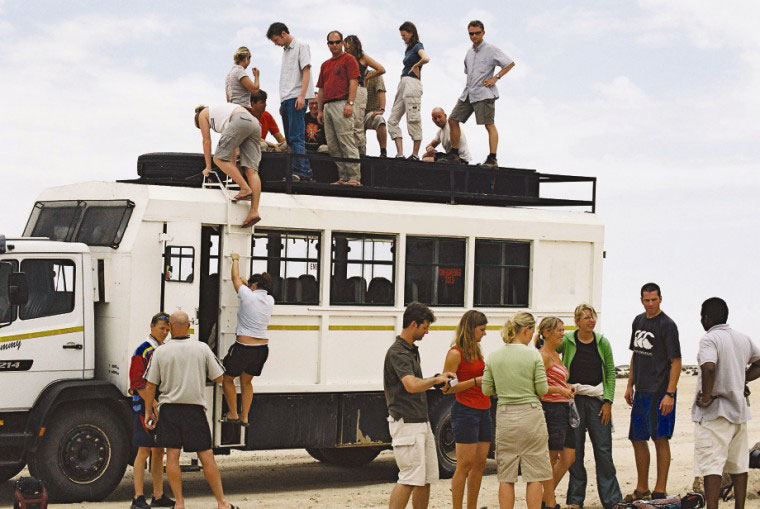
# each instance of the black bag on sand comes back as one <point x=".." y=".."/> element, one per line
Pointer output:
<point x="30" y="494"/>
<point x="690" y="501"/>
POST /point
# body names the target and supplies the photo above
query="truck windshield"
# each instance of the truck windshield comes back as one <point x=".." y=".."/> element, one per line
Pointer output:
<point x="93" y="222"/>
<point x="6" y="310"/>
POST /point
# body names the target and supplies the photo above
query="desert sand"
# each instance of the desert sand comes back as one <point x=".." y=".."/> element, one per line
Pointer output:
<point x="295" y="480"/>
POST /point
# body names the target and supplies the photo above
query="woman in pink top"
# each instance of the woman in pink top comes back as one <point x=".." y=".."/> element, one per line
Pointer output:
<point x="470" y="414"/>
<point x="556" y="403"/>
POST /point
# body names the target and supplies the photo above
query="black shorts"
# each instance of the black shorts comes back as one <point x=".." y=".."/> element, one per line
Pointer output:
<point x="142" y="436"/>
<point x="248" y="358"/>
<point x="561" y="434"/>
<point x="183" y="427"/>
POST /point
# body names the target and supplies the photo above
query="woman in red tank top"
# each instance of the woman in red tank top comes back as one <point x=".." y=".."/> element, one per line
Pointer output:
<point x="470" y="414"/>
<point x="556" y="403"/>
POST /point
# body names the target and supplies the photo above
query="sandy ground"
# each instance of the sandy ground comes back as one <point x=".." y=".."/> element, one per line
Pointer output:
<point x="293" y="479"/>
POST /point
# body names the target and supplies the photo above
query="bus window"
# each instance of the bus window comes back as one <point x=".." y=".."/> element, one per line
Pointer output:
<point x="51" y="288"/>
<point x="292" y="259"/>
<point x="180" y="264"/>
<point x="435" y="271"/>
<point x="502" y="273"/>
<point x="362" y="269"/>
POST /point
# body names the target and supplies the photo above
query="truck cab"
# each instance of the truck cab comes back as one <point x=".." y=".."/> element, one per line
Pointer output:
<point x="47" y="364"/>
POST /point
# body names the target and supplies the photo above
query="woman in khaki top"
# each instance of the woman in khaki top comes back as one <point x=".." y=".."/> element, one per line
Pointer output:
<point x="516" y="374"/>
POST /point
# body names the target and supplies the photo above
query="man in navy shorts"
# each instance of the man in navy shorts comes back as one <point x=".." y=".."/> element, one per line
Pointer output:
<point x="655" y="368"/>
<point x="180" y="369"/>
<point x="143" y="438"/>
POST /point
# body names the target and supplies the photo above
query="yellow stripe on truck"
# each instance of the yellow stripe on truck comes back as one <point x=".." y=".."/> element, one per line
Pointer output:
<point x="41" y="334"/>
<point x="362" y="327"/>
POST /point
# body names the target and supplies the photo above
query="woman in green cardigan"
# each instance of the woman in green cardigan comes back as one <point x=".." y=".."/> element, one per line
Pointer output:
<point x="588" y="357"/>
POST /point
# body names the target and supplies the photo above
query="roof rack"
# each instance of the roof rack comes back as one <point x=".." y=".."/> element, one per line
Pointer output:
<point x="382" y="178"/>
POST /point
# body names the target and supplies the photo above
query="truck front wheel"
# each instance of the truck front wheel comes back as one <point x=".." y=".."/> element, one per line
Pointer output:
<point x="82" y="455"/>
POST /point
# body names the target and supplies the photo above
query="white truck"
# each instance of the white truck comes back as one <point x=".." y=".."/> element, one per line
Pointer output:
<point x="98" y="259"/>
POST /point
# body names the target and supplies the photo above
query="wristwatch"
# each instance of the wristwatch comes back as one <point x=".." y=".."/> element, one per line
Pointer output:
<point x="671" y="394"/>
<point x="351" y="103"/>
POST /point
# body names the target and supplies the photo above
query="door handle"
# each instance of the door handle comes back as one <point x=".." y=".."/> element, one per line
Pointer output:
<point x="72" y="346"/>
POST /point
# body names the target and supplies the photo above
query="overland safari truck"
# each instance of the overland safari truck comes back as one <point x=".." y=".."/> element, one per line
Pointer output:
<point x="98" y="259"/>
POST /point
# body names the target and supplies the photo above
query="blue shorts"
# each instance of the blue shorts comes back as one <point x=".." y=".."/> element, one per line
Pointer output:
<point x="470" y="425"/>
<point x="646" y="419"/>
<point x="141" y="436"/>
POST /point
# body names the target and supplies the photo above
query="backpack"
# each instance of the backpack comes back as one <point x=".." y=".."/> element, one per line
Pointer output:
<point x="30" y="494"/>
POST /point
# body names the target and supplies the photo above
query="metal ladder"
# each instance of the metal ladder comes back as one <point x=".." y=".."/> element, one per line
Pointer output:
<point x="234" y="239"/>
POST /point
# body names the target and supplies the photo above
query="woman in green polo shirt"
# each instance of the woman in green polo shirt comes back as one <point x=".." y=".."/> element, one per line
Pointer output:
<point x="516" y="374"/>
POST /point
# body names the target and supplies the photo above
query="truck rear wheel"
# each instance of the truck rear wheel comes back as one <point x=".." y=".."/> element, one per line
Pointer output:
<point x="9" y="472"/>
<point x="83" y="454"/>
<point x="348" y="456"/>
<point x="445" y="445"/>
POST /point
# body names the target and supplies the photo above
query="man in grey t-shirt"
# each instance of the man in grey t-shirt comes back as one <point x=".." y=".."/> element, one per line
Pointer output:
<point x="720" y="411"/>
<point x="180" y="372"/>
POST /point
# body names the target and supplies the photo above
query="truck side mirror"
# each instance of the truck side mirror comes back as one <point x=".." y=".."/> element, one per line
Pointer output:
<point x="18" y="290"/>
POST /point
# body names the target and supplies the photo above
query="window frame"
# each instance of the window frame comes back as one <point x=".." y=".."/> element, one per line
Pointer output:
<point x="392" y="263"/>
<point x="437" y="265"/>
<point x="168" y="257"/>
<point x="13" y="308"/>
<point x="285" y="233"/>
<point x="502" y="266"/>
<point x="81" y="209"/>
<point x="59" y="261"/>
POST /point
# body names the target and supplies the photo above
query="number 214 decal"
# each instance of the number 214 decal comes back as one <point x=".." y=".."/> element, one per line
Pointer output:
<point x="22" y="365"/>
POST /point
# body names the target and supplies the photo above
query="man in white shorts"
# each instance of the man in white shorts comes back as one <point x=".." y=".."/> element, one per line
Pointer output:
<point x="720" y="411"/>
<point x="411" y="436"/>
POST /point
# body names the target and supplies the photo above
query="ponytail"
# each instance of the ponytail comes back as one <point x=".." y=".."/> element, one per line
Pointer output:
<point x="262" y="281"/>
<point x="514" y="325"/>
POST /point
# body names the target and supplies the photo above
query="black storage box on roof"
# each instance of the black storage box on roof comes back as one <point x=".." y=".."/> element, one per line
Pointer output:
<point x="383" y="178"/>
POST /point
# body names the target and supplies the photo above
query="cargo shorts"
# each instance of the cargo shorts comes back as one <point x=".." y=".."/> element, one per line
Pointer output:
<point x="244" y="131"/>
<point x="414" y="449"/>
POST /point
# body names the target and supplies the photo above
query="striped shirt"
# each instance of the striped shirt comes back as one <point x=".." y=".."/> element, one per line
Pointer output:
<point x="557" y="377"/>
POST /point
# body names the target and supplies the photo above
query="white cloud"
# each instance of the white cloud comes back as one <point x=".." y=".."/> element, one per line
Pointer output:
<point x="622" y="93"/>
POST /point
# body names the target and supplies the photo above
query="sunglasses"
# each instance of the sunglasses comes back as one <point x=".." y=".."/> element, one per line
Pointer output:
<point x="475" y="33"/>
<point x="333" y="43"/>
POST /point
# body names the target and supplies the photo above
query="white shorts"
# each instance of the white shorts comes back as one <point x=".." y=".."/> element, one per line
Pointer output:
<point x="414" y="448"/>
<point x="720" y="443"/>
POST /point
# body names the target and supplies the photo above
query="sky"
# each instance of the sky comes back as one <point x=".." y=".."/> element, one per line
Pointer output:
<point x="658" y="100"/>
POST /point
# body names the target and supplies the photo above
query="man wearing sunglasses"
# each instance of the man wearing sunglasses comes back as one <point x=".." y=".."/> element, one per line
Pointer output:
<point x="480" y="92"/>
<point x="337" y="84"/>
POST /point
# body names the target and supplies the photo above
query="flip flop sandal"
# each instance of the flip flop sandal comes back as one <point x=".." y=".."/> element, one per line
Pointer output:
<point x="245" y="424"/>
<point x="245" y="197"/>
<point x="227" y="420"/>
<point x="250" y="222"/>
<point x="637" y="495"/>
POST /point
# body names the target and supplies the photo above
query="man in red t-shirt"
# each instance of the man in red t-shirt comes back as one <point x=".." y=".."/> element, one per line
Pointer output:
<point x="268" y="124"/>
<point x="338" y="81"/>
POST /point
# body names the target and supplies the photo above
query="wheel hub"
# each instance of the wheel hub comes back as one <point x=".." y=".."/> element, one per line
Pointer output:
<point x="84" y="453"/>
<point x="447" y="442"/>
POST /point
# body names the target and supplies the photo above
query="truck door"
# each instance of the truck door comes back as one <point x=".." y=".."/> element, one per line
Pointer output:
<point x="44" y="340"/>
<point x="182" y="270"/>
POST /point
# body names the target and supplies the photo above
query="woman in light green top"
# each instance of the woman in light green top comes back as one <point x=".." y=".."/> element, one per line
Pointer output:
<point x="516" y="374"/>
